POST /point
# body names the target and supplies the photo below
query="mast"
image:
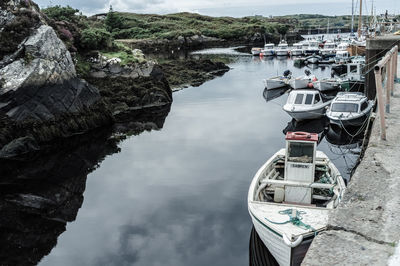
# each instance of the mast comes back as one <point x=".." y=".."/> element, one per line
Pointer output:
<point x="352" y="17"/>
<point x="360" y="20"/>
<point x="327" y="29"/>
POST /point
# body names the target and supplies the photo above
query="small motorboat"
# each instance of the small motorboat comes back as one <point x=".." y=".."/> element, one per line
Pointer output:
<point x="326" y="84"/>
<point x="313" y="59"/>
<point x="306" y="104"/>
<point x="269" y="49"/>
<point x="349" y="109"/>
<point x="291" y="196"/>
<point x="297" y="49"/>
<point x="279" y="81"/>
<point x="354" y="79"/>
<point x="256" y="51"/>
<point x="302" y="81"/>
<point x="282" y="49"/>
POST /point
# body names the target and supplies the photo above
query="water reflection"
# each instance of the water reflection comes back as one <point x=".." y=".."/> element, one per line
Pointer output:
<point x="270" y="95"/>
<point x="319" y="126"/>
<point x="41" y="194"/>
<point x="177" y="196"/>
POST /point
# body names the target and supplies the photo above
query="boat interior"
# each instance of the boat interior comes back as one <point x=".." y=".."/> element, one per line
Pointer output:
<point x="321" y="192"/>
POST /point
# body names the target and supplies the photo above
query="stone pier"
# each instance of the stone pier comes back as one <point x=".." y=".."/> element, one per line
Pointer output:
<point x="365" y="228"/>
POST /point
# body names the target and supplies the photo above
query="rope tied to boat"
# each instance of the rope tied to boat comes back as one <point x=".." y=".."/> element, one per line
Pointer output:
<point x="295" y="218"/>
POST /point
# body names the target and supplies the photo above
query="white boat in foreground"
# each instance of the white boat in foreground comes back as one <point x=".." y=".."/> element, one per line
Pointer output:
<point x="306" y="104"/>
<point x="349" y="109"/>
<point x="291" y="195"/>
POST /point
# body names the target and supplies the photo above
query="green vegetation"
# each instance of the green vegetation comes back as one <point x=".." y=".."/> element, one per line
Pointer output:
<point x="61" y="13"/>
<point x="113" y="21"/>
<point x="140" y="26"/>
<point x="96" y="39"/>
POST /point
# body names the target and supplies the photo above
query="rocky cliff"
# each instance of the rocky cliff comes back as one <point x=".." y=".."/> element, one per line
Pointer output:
<point x="41" y="96"/>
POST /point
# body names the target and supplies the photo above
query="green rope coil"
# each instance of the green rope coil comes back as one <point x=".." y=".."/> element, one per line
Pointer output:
<point x="294" y="219"/>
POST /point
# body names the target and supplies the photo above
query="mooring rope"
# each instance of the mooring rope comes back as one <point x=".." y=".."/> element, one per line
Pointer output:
<point x="294" y="219"/>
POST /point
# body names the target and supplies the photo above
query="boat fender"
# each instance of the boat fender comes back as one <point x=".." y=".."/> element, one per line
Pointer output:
<point x="310" y="85"/>
<point x="290" y="243"/>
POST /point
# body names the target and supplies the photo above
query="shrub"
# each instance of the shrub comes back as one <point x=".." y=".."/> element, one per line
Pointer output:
<point x="95" y="39"/>
<point x="59" y="13"/>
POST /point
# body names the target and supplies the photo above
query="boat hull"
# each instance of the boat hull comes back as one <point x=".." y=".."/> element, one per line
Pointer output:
<point x="268" y="52"/>
<point x="325" y="86"/>
<point x="274" y="84"/>
<point x="282" y="52"/>
<point x="352" y="85"/>
<point x="353" y="122"/>
<point x="299" y="83"/>
<point x="297" y="52"/>
<point x="307" y="115"/>
<point x="273" y="241"/>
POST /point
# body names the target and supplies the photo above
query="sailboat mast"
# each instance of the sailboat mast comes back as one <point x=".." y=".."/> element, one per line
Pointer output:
<point x="327" y="29"/>
<point x="360" y="20"/>
<point x="352" y="16"/>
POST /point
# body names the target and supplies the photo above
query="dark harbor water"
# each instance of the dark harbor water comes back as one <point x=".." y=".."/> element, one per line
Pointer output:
<point x="177" y="195"/>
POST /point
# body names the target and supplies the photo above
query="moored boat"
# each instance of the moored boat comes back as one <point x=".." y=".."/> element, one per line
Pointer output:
<point x="297" y="49"/>
<point x="306" y="104"/>
<point x="291" y="195"/>
<point x="326" y="84"/>
<point x="349" y="109"/>
<point x="282" y="49"/>
<point x="256" y="51"/>
<point x="302" y="81"/>
<point x="269" y="49"/>
<point x="278" y="82"/>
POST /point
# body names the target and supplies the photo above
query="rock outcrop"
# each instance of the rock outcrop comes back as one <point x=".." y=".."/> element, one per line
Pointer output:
<point x="40" y="93"/>
<point x="128" y="88"/>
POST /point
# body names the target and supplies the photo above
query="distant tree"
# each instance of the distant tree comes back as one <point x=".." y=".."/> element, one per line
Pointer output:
<point x="282" y="29"/>
<point x="60" y="13"/>
<point x="113" y="20"/>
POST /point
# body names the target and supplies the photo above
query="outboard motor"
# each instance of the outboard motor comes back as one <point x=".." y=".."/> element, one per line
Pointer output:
<point x="307" y="72"/>
<point x="287" y="73"/>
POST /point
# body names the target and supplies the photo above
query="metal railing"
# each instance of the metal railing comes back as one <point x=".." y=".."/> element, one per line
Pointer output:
<point x="385" y="74"/>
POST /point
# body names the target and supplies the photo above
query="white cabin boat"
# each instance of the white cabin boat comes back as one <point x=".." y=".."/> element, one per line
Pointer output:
<point x="306" y="104"/>
<point x="329" y="49"/>
<point x="269" y="49"/>
<point x="297" y="184"/>
<point x="297" y="49"/>
<point x="282" y="49"/>
<point x="349" y="109"/>
<point x="302" y="81"/>
<point x="313" y="47"/>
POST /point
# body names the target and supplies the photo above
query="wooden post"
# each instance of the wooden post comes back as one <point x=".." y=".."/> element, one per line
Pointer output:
<point x="379" y="92"/>
<point x="388" y="84"/>
<point x="393" y="73"/>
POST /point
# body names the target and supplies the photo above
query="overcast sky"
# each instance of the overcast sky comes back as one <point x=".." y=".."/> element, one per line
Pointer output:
<point x="236" y="8"/>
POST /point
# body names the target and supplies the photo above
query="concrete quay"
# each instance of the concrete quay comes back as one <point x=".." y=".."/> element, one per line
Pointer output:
<point x="365" y="228"/>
